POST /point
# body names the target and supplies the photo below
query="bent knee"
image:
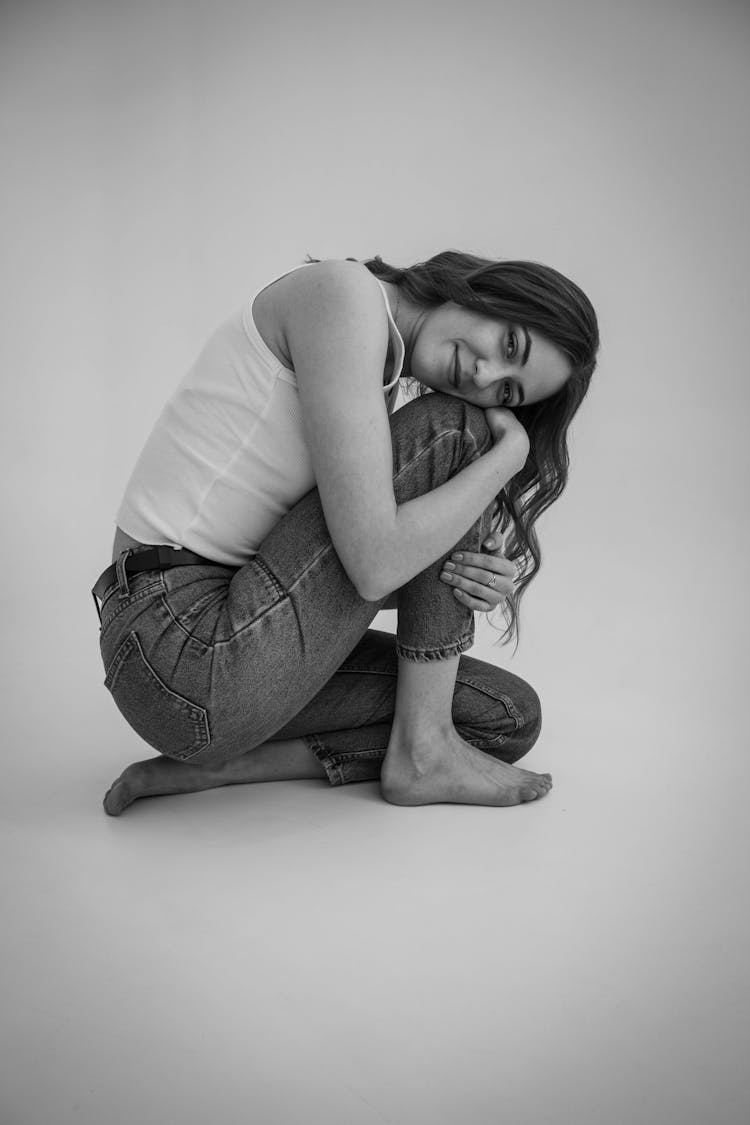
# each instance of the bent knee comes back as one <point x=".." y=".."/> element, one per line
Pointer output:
<point x="531" y="711"/>
<point x="516" y="721"/>
<point x="462" y="414"/>
<point x="450" y="412"/>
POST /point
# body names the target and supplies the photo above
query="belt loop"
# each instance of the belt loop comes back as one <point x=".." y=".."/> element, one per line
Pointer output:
<point x="121" y="573"/>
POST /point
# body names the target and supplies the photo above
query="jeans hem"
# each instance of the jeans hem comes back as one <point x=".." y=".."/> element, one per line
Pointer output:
<point x="444" y="652"/>
<point x="333" y="771"/>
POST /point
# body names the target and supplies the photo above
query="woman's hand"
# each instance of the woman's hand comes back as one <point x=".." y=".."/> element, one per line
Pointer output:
<point x="470" y="576"/>
<point x="505" y="428"/>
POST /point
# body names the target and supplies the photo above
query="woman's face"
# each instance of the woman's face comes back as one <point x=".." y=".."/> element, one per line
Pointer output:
<point x="485" y="361"/>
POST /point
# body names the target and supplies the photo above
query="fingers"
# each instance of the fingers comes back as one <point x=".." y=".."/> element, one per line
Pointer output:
<point x="497" y="563"/>
<point x="483" y="575"/>
<point x="464" y="584"/>
<point x="477" y="581"/>
<point x="478" y="604"/>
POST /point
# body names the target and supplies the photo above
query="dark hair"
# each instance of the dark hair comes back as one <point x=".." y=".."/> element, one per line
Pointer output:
<point x="537" y="297"/>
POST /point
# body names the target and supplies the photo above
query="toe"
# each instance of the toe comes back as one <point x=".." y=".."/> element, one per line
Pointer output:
<point x="112" y="802"/>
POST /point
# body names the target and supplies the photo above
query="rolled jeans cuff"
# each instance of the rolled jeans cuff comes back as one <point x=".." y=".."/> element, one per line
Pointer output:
<point x="442" y="652"/>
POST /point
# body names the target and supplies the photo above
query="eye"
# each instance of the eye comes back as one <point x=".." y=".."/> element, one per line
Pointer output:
<point x="507" y="393"/>
<point x="511" y="349"/>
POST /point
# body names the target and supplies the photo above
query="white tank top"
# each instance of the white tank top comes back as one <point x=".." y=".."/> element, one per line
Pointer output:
<point x="227" y="457"/>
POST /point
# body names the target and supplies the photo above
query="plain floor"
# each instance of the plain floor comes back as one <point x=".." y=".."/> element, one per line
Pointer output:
<point x="292" y="953"/>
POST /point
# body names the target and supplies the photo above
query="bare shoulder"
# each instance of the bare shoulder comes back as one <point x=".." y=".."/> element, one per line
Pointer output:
<point x="335" y="307"/>
<point x="333" y="285"/>
<point x="335" y="297"/>
<point x="335" y="275"/>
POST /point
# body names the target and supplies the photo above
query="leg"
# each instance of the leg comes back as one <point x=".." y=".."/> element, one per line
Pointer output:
<point x="427" y="760"/>
<point x="492" y="709"/>
<point x="290" y="760"/>
<point x="350" y="722"/>
<point x="430" y="734"/>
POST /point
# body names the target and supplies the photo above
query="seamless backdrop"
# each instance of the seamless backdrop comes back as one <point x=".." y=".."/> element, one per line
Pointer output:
<point x="160" y="160"/>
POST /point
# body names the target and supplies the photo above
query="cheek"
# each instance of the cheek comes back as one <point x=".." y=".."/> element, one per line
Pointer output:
<point x="428" y="358"/>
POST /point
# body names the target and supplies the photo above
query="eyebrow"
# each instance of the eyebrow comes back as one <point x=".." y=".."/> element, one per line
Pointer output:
<point x="527" y="349"/>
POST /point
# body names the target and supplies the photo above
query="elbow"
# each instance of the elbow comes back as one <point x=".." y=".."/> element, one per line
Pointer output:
<point x="369" y="588"/>
<point x="370" y="575"/>
<point x="370" y="592"/>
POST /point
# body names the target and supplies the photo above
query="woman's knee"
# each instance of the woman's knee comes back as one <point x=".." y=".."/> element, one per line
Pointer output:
<point x="530" y="707"/>
<point x="434" y="437"/>
<point x="511" y="718"/>
<point x="448" y="412"/>
<point x="527" y="712"/>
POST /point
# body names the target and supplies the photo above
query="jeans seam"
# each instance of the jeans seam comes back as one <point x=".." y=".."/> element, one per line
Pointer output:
<point x="128" y="602"/>
<point x="298" y="578"/>
<point x="274" y="580"/>
<point x="357" y="755"/>
<point x="427" y="448"/>
<point x="510" y="707"/>
<point x="480" y="743"/>
<point x="247" y="625"/>
<point x="186" y="632"/>
<point x="197" y="606"/>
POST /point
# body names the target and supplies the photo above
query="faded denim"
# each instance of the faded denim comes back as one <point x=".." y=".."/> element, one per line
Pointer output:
<point x="207" y="662"/>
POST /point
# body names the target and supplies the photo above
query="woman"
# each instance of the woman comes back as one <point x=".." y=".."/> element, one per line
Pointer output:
<point x="290" y="504"/>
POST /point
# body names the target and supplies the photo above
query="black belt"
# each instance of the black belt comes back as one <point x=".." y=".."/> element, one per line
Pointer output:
<point x="153" y="558"/>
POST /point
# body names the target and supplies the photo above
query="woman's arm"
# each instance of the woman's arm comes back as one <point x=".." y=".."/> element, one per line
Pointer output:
<point x="336" y="330"/>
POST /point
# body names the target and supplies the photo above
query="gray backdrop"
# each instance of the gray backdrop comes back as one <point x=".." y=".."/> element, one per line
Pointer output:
<point x="291" y="953"/>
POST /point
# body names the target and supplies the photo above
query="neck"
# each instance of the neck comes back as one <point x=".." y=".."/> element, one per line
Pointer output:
<point x="408" y="318"/>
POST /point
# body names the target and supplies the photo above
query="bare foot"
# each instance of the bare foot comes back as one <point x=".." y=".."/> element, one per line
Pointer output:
<point x="442" y="768"/>
<point x="289" y="760"/>
<point x="155" y="777"/>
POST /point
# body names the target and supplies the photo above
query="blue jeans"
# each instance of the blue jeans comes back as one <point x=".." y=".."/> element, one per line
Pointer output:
<point x="207" y="662"/>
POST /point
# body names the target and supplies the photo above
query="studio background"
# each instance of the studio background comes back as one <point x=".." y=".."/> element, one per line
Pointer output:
<point x="290" y="952"/>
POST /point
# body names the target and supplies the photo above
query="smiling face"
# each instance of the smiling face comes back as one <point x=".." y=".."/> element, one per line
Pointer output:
<point x="485" y="361"/>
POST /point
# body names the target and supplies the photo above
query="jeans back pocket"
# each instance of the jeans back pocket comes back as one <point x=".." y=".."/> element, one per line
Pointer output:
<point x="166" y="720"/>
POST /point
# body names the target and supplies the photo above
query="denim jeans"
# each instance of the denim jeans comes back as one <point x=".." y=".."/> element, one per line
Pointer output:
<point x="207" y="662"/>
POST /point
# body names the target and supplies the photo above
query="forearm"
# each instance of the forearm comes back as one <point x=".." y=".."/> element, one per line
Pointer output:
<point x="430" y="525"/>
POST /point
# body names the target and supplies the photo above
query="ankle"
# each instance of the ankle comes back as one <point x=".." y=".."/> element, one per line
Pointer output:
<point x="420" y="729"/>
<point x="417" y="749"/>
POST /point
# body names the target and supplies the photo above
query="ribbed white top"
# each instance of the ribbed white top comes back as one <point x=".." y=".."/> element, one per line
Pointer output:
<point x="227" y="457"/>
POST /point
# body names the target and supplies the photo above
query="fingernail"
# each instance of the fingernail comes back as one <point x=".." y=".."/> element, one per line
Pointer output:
<point x="457" y="557"/>
<point x="450" y="566"/>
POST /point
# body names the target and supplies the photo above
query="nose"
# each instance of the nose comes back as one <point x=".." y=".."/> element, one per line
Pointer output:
<point x="486" y="373"/>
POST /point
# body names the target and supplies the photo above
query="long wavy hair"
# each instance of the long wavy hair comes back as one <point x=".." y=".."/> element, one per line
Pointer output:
<point x="534" y="296"/>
